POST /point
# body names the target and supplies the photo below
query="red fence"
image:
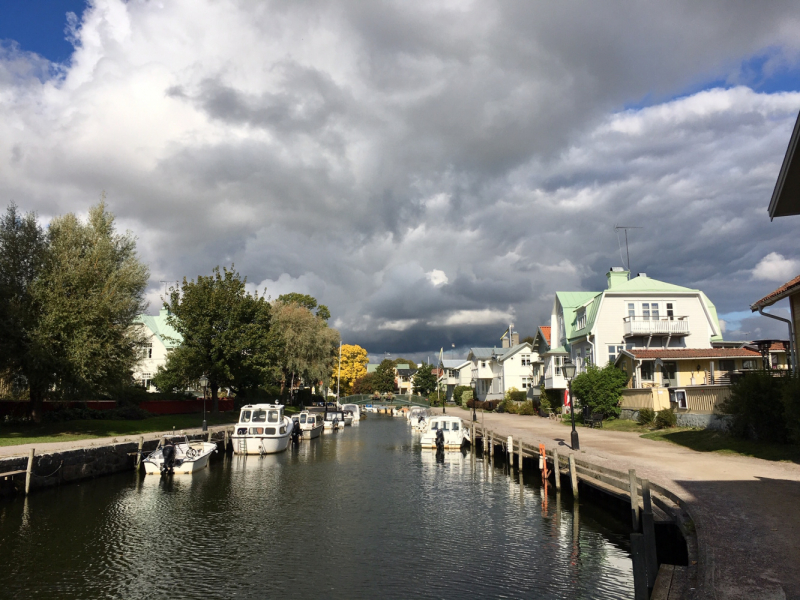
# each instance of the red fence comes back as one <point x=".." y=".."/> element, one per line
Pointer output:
<point x="21" y="409"/>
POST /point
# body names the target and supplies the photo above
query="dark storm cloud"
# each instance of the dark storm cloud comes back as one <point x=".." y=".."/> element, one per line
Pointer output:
<point x="429" y="171"/>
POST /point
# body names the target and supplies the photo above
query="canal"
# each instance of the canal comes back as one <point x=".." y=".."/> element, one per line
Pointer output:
<point x="361" y="513"/>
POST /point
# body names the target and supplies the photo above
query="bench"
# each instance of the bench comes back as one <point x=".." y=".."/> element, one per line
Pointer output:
<point x="595" y="420"/>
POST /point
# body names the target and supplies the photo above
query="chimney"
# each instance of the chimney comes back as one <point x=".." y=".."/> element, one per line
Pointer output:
<point x="616" y="275"/>
<point x="641" y="274"/>
<point x="515" y="339"/>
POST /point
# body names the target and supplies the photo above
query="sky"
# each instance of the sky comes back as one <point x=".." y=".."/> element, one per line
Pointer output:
<point x="431" y="171"/>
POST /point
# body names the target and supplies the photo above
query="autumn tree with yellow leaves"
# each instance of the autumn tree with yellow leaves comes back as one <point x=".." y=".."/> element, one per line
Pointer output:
<point x="354" y="365"/>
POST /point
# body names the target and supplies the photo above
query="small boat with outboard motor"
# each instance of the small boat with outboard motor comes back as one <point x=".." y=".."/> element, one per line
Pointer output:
<point x="354" y="409"/>
<point x="309" y="424"/>
<point x="262" y="429"/>
<point x="176" y="454"/>
<point x="334" y="420"/>
<point x="445" y="432"/>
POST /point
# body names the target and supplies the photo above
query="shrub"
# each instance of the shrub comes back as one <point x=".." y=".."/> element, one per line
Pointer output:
<point x="757" y="404"/>
<point x="544" y="401"/>
<point x="600" y="389"/>
<point x="526" y="408"/>
<point x="646" y="416"/>
<point x="665" y="419"/>
<point x="458" y="391"/>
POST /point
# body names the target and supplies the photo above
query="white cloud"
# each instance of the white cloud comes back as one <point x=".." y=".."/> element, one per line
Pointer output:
<point x="437" y="277"/>
<point x="775" y="267"/>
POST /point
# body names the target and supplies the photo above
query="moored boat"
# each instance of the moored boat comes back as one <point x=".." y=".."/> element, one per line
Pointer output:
<point x="176" y="454"/>
<point x="262" y="429"/>
<point x="310" y="424"/>
<point x="334" y="420"/>
<point x="455" y="435"/>
<point x="354" y="409"/>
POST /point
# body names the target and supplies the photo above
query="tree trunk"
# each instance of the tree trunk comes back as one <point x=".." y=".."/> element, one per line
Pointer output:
<point x="215" y="404"/>
<point x="37" y="403"/>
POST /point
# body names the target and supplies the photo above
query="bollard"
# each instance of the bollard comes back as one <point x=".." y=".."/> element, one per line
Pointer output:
<point x="29" y="473"/>
<point x="634" y="490"/>
<point x="139" y="454"/>
<point x="510" y="451"/>
<point x="520" y="457"/>
<point x="573" y="475"/>
<point x="649" y="532"/>
<point x="225" y="443"/>
<point x="557" y="469"/>
<point x="473" y="440"/>
<point x="543" y="461"/>
<point x="209" y="436"/>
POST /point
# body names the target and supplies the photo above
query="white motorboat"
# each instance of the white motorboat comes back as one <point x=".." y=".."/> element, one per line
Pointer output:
<point x="348" y="417"/>
<point x="354" y="409"/>
<point x="455" y="435"/>
<point x="310" y="424"/>
<point x="334" y="420"/>
<point x="419" y="417"/>
<point x="262" y="429"/>
<point x="176" y="454"/>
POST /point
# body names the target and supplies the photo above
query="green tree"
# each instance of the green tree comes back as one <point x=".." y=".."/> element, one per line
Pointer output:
<point x="306" y="347"/>
<point x="424" y="379"/>
<point x="225" y="335"/>
<point x="306" y="301"/>
<point x="365" y="384"/>
<point x="385" y="377"/>
<point x="600" y="389"/>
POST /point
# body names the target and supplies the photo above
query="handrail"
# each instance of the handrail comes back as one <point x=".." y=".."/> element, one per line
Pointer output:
<point x="642" y="318"/>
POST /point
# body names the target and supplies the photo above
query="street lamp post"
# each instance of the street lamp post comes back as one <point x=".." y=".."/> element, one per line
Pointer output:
<point x="473" y="384"/>
<point x="204" y="385"/>
<point x="568" y="368"/>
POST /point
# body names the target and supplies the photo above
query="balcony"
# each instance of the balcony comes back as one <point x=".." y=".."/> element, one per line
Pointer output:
<point x="672" y="326"/>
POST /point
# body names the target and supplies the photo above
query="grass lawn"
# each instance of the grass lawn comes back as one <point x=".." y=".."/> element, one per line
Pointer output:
<point x="11" y="435"/>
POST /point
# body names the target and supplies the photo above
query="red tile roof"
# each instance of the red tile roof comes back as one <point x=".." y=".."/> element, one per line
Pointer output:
<point x="546" y="333"/>
<point x="673" y="353"/>
<point x="785" y="290"/>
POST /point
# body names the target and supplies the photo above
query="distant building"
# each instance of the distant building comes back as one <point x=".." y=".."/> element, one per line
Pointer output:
<point x="791" y="291"/>
<point x="161" y="338"/>
<point x="495" y="370"/>
<point x="455" y="373"/>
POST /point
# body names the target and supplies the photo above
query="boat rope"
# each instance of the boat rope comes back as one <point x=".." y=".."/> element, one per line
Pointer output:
<point x="58" y="468"/>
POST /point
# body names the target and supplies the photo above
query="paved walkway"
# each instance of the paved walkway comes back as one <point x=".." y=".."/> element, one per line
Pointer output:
<point x="46" y="448"/>
<point x="746" y="510"/>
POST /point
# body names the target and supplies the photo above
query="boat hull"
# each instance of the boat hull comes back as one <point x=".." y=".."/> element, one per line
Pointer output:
<point x="185" y="466"/>
<point x="260" y="444"/>
<point x="310" y="434"/>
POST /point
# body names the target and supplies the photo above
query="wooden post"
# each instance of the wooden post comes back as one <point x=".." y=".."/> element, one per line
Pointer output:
<point x="225" y="446"/>
<point x="573" y="475"/>
<point x="510" y="451"/>
<point x="29" y="472"/>
<point x="473" y="438"/>
<point x="557" y="469"/>
<point x="491" y="442"/>
<point x="639" y="567"/>
<point x="520" y="458"/>
<point x="139" y="455"/>
<point x="634" y="491"/>
<point x="649" y="532"/>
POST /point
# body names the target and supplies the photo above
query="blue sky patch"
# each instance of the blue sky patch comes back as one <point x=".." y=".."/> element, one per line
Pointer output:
<point x="38" y="25"/>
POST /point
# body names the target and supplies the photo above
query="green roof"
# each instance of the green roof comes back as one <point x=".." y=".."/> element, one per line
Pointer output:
<point x="570" y="301"/>
<point x="372" y="367"/>
<point x="161" y="328"/>
<point x="647" y="284"/>
<point x="559" y="350"/>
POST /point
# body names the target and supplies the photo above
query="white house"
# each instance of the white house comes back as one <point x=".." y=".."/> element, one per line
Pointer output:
<point x="161" y="339"/>
<point x="632" y="313"/>
<point x="495" y="370"/>
<point x="455" y="373"/>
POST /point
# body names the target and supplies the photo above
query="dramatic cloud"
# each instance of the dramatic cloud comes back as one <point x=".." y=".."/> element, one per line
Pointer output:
<point x="774" y="267"/>
<point x="430" y="171"/>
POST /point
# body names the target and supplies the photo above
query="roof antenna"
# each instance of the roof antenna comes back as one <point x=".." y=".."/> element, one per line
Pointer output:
<point x="625" y="227"/>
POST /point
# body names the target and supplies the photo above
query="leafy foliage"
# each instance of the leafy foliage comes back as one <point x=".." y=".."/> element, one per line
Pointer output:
<point x="665" y="419"/>
<point x="354" y="366"/>
<point x="646" y="416"/>
<point x="600" y="389"/>
<point x="544" y="400"/>
<point x="365" y="384"/>
<point x="424" y="379"/>
<point x="458" y="391"/>
<point x="305" y="301"/>
<point x="225" y="331"/>
<point x="765" y="408"/>
<point x="385" y="377"/>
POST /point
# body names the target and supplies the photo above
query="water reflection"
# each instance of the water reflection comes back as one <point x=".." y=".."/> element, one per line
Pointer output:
<point x="359" y="513"/>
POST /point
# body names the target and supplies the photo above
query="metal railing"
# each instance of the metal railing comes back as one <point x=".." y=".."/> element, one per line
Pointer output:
<point x="656" y="326"/>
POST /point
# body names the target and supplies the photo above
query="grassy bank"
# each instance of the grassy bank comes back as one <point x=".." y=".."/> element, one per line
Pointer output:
<point x="11" y="435"/>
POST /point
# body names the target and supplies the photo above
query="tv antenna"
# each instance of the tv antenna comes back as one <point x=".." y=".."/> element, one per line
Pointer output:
<point x="627" y="252"/>
<point x="165" y="285"/>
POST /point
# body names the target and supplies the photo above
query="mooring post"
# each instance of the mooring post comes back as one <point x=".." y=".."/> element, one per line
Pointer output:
<point x="491" y="442"/>
<point x="29" y="472"/>
<point x="209" y="436"/>
<point x="139" y="453"/>
<point x="634" y="491"/>
<point x="510" y="451"/>
<point x="639" y="567"/>
<point x="225" y="443"/>
<point x="573" y="475"/>
<point x="649" y="532"/>
<point x="557" y="469"/>
<point x="520" y="458"/>
<point x="472" y="438"/>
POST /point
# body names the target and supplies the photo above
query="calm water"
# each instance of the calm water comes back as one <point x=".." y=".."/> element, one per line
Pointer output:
<point x="362" y="513"/>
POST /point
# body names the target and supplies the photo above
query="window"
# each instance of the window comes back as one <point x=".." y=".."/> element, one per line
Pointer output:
<point x="726" y="365"/>
<point x="483" y="364"/>
<point x="613" y="352"/>
<point x="558" y="361"/>
<point x="455" y="426"/>
<point x="670" y="312"/>
<point x="147" y="351"/>
<point x="580" y="321"/>
<point x="749" y="364"/>
<point x="647" y="370"/>
<point x="259" y="416"/>
<point x="645" y="311"/>
<point x="680" y="398"/>
<point x="631" y="311"/>
<point x="245" y="416"/>
<point x="654" y="311"/>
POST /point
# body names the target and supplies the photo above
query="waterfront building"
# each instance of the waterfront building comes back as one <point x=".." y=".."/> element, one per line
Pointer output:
<point x="160" y="340"/>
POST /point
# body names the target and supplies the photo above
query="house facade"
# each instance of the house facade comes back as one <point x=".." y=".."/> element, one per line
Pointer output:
<point x="453" y="374"/>
<point x="788" y="291"/>
<point x="160" y="338"/>
<point x="495" y="370"/>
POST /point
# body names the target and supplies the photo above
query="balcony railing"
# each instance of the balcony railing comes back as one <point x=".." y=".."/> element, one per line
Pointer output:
<point x="656" y="326"/>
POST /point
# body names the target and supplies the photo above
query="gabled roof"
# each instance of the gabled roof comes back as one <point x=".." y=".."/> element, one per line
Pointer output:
<point x="372" y="367"/>
<point x="787" y="289"/>
<point x="161" y="329"/>
<point x="559" y="350"/>
<point x="785" y="199"/>
<point x="482" y="353"/>
<point x="570" y="301"/>
<point x="509" y="352"/>
<point x="642" y="283"/>
<point x="406" y="372"/>
<point x="545" y="329"/>
<point x="454" y="364"/>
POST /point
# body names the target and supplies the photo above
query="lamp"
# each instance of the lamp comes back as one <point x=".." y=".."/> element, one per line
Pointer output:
<point x="204" y="385"/>
<point x="568" y="369"/>
<point x="473" y="384"/>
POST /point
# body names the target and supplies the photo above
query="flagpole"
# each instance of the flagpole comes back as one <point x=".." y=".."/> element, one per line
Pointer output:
<point x="339" y="376"/>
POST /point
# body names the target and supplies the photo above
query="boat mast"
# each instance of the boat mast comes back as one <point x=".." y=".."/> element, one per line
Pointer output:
<point x="339" y="375"/>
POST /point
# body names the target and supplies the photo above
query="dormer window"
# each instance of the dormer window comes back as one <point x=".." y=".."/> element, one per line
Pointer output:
<point x="580" y="321"/>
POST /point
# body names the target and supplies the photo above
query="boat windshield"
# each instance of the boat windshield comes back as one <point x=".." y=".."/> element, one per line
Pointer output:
<point x="259" y="416"/>
<point x="455" y="425"/>
<point x="434" y="425"/>
<point x="302" y="418"/>
<point x="445" y="425"/>
<point x="245" y="416"/>
<point x="273" y="416"/>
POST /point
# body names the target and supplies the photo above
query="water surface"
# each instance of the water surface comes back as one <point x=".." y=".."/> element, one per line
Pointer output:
<point x="361" y="513"/>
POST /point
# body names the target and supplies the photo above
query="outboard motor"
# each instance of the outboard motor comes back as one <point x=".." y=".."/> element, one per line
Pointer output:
<point x="295" y="432"/>
<point x="168" y="452"/>
<point x="439" y="440"/>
